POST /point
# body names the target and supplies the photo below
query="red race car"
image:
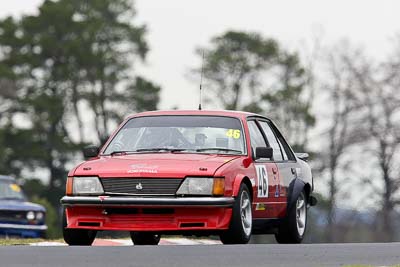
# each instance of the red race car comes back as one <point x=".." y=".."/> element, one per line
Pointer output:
<point x="222" y="173"/>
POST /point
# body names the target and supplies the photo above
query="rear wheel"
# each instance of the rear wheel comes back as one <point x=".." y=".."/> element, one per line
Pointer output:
<point x="145" y="238"/>
<point x="239" y="231"/>
<point x="293" y="228"/>
<point x="77" y="237"/>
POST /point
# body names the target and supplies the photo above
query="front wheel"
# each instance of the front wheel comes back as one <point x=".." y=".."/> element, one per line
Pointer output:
<point x="294" y="226"/>
<point x="239" y="231"/>
<point x="145" y="238"/>
<point x="77" y="237"/>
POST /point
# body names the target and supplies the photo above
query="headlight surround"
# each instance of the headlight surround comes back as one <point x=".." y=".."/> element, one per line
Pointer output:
<point x="201" y="186"/>
<point x="87" y="186"/>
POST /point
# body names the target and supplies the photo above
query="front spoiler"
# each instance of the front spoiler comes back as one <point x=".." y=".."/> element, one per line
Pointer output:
<point x="153" y="201"/>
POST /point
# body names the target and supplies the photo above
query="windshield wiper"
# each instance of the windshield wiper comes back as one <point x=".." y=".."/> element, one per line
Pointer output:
<point x="11" y="198"/>
<point x="122" y="152"/>
<point x="218" y="148"/>
<point x="155" y="149"/>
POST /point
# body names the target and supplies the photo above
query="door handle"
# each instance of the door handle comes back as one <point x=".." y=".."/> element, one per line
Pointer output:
<point x="293" y="171"/>
<point x="274" y="170"/>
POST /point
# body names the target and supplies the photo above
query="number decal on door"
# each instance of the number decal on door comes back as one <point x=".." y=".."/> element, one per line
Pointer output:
<point x="262" y="181"/>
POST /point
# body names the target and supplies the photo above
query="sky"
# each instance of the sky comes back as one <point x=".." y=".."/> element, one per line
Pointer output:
<point x="177" y="27"/>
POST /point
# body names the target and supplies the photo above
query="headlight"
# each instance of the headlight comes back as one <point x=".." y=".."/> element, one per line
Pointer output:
<point x="30" y="215"/>
<point x="201" y="186"/>
<point x="87" y="186"/>
<point x="39" y="215"/>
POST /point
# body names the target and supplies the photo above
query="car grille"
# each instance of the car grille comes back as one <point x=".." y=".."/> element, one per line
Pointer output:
<point x="12" y="216"/>
<point x="141" y="186"/>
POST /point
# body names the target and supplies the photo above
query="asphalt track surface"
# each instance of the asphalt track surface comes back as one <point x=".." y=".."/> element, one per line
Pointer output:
<point x="205" y="255"/>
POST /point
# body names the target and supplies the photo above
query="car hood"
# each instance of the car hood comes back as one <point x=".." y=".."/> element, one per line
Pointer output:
<point x="176" y="165"/>
<point x="20" y="205"/>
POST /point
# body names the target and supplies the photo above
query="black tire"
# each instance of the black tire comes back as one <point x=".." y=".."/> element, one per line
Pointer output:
<point x="290" y="232"/>
<point x="77" y="237"/>
<point x="145" y="238"/>
<point x="238" y="233"/>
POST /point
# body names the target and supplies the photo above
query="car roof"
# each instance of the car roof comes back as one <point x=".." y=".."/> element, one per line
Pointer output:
<point x="8" y="178"/>
<point x="226" y="113"/>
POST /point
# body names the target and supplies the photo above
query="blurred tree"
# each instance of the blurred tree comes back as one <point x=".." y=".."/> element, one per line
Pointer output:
<point x="245" y="71"/>
<point x="361" y="107"/>
<point x="233" y="65"/>
<point x="379" y="85"/>
<point x="72" y="58"/>
<point x="107" y="46"/>
<point x="143" y="95"/>
<point x="33" y="188"/>
<point x="343" y="126"/>
<point x="99" y="46"/>
<point x="286" y="101"/>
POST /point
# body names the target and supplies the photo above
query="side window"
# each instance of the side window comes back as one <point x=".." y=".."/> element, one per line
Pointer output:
<point x="256" y="137"/>
<point x="273" y="142"/>
<point x="285" y="147"/>
<point x="285" y="157"/>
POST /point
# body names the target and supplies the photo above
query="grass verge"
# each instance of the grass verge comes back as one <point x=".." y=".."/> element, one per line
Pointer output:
<point x="23" y="241"/>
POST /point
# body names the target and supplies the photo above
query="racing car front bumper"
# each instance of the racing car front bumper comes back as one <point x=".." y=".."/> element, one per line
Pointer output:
<point x="148" y="214"/>
<point x="128" y="201"/>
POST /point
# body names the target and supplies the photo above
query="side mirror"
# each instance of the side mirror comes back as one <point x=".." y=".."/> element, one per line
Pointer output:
<point x="302" y="156"/>
<point x="312" y="201"/>
<point x="90" y="151"/>
<point x="264" y="152"/>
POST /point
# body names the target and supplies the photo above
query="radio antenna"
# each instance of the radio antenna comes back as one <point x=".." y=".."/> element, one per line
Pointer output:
<point x="201" y="79"/>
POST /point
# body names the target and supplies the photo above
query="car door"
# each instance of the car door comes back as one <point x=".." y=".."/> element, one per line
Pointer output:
<point x="267" y="177"/>
<point x="285" y="159"/>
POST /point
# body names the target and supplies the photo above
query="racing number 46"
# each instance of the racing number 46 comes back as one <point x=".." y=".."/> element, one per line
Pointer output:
<point x="233" y="133"/>
<point x="262" y="181"/>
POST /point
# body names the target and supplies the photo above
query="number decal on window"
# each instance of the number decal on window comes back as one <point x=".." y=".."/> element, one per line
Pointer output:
<point x="15" y="188"/>
<point x="262" y="181"/>
<point x="233" y="133"/>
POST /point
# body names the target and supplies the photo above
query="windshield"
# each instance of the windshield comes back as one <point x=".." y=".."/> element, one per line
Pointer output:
<point x="193" y="134"/>
<point x="10" y="190"/>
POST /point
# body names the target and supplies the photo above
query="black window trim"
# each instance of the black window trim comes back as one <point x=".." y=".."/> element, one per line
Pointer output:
<point x="273" y="132"/>
<point x="265" y="140"/>
<point x="283" y="142"/>
<point x="276" y="132"/>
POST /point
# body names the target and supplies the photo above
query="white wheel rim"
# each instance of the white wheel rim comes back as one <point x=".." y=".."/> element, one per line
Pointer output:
<point x="301" y="216"/>
<point x="245" y="212"/>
